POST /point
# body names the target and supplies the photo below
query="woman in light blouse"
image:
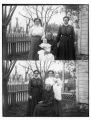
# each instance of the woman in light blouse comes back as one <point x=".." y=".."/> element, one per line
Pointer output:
<point x="37" y="34"/>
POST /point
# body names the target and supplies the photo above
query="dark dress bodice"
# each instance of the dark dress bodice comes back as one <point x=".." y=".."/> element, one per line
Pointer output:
<point x="67" y="30"/>
<point x="35" y="87"/>
<point x="48" y="96"/>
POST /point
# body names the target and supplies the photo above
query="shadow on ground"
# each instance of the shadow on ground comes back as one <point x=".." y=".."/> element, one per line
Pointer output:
<point x="69" y="110"/>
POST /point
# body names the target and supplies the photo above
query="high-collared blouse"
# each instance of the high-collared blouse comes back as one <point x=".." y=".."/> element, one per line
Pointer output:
<point x="37" y="31"/>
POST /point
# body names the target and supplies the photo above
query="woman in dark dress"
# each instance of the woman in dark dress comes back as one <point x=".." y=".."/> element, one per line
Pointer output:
<point x="46" y="107"/>
<point x="66" y="40"/>
<point x="50" y="39"/>
<point x="37" y="34"/>
<point x="35" y="92"/>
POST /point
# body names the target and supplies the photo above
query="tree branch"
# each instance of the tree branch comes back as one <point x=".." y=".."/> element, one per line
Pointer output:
<point x="25" y="16"/>
<point x="49" y="65"/>
<point x="52" y="12"/>
<point x="36" y="9"/>
<point x="30" y="66"/>
<point x="42" y="10"/>
<point x="10" y="15"/>
<point x="36" y="65"/>
<point x="29" y="12"/>
<point x="9" y="70"/>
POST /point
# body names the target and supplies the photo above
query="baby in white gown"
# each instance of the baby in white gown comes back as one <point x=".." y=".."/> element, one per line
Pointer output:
<point x="45" y="54"/>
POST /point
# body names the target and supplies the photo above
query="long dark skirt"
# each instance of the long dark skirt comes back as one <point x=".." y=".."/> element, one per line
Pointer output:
<point x="66" y="50"/>
<point x="44" y="110"/>
<point x="36" y="93"/>
<point x="34" y="48"/>
<point x="31" y="105"/>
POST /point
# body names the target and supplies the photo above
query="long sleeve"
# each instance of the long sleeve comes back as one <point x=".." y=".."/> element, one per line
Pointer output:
<point x="59" y="34"/>
<point x="54" y="48"/>
<point x="29" y="88"/>
<point x="73" y="34"/>
<point x="37" y="30"/>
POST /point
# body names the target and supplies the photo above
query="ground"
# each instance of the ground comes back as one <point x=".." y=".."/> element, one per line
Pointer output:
<point x="69" y="110"/>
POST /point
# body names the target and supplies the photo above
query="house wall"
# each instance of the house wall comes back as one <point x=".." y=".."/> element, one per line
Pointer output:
<point x="82" y="81"/>
<point x="83" y="24"/>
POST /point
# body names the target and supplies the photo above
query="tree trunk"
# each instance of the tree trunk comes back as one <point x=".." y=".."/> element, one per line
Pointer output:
<point x="45" y="27"/>
<point x="4" y="42"/>
<point x="5" y="96"/>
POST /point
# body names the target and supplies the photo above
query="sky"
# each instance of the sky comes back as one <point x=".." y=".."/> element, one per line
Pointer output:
<point x="57" y="19"/>
<point x="57" y="66"/>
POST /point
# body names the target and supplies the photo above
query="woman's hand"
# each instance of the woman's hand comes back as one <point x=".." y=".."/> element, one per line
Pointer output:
<point x="30" y="97"/>
<point x="75" y="43"/>
<point x="44" y="40"/>
<point x="40" y="102"/>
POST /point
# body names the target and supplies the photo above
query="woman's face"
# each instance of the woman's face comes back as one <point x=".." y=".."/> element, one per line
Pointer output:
<point x="37" y="22"/>
<point x="47" y="87"/>
<point x="50" y="74"/>
<point x="56" y="75"/>
<point x="36" y="75"/>
<point x="69" y="14"/>
<point x="66" y="21"/>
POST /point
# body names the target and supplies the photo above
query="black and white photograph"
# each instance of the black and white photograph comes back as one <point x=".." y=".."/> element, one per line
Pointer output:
<point x="45" y="60"/>
<point x="58" y="32"/>
<point x="45" y="88"/>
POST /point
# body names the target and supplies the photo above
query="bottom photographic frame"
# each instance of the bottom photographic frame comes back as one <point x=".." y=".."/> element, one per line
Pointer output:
<point x="23" y="96"/>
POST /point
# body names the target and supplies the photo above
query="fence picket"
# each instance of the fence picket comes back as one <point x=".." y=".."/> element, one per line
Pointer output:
<point x="17" y="93"/>
<point x="17" y="43"/>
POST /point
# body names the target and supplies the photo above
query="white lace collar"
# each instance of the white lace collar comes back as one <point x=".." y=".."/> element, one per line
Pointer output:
<point x="65" y="24"/>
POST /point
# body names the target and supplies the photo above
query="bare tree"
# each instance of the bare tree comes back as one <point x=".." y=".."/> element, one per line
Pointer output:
<point x="45" y="13"/>
<point x="7" y="13"/>
<point x="7" y="69"/>
<point x="41" y="66"/>
<point x="26" y="70"/>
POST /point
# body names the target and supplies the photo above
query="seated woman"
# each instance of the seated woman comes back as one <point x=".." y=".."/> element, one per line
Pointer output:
<point x="50" y="39"/>
<point x="45" y="107"/>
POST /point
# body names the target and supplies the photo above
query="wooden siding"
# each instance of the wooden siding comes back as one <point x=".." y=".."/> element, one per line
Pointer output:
<point x="82" y="81"/>
<point x="83" y="23"/>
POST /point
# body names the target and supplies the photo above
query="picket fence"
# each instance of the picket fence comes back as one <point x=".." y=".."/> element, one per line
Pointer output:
<point x="17" y="44"/>
<point x="17" y="93"/>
